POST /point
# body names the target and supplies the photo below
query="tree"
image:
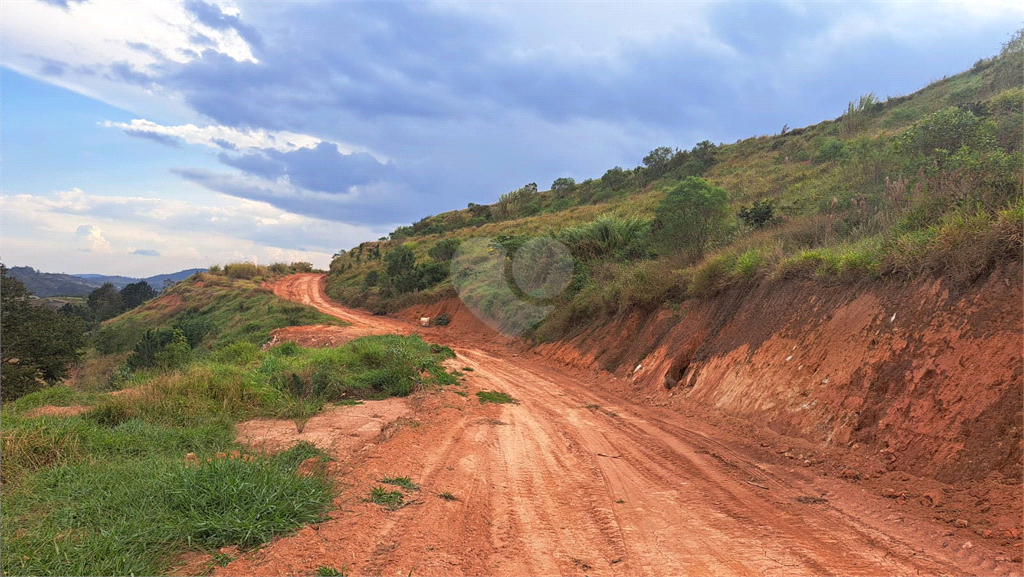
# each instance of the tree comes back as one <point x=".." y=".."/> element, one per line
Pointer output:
<point x="431" y="273"/>
<point x="704" y="155"/>
<point x="372" y="278"/>
<point x="401" y="268"/>
<point x="657" y="162"/>
<point x="615" y="179"/>
<point x="444" y="250"/>
<point x="135" y="294"/>
<point x="38" y="345"/>
<point x="692" y="215"/>
<point x="82" y="312"/>
<point x="759" y="215"/>
<point x="105" y="302"/>
<point x="562" y="186"/>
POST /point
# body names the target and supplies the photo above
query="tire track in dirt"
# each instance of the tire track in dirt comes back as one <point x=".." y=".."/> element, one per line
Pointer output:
<point x="578" y="480"/>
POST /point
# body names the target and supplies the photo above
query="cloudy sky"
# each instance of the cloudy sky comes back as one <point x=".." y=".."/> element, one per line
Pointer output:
<point x="146" y="137"/>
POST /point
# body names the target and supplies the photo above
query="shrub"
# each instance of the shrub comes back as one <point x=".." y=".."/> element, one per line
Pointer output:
<point x="175" y="353"/>
<point x="831" y="150"/>
<point x="244" y="270"/>
<point x="692" y="216"/>
<point x="609" y="235"/>
<point x="37" y="346"/>
<point x="444" y="250"/>
<point x="563" y="186"/>
<point x="948" y="130"/>
<point x="759" y="215"/>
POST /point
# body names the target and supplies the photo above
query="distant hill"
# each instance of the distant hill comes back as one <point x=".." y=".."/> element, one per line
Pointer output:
<point x="118" y="281"/>
<point x="156" y="282"/>
<point x="46" y="284"/>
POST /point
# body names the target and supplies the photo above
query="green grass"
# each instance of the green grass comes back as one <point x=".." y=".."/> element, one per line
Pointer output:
<point x="58" y="396"/>
<point x="495" y="397"/>
<point x="84" y="499"/>
<point x="217" y="311"/>
<point x="390" y="500"/>
<point x="241" y="382"/>
<point x="110" y="491"/>
<point x="403" y="482"/>
<point x="447" y="496"/>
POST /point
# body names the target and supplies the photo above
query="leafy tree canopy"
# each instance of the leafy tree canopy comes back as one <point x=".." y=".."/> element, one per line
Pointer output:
<point x="38" y="344"/>
<point x="692" y="216"/>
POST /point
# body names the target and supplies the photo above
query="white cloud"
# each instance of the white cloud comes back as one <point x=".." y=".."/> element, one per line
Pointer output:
<point x="90" y="239"/>
<point x="234" y="140"/>
<point x="40" y="231"/>
<point x="106" y="49"/>
<point x="223" y="136"/>
<point x="100" y="32"/>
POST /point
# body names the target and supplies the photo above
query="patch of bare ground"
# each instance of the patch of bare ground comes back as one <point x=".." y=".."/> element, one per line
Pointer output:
<point x="50" y="410"/>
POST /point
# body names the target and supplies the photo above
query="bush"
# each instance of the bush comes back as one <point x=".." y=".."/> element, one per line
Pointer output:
<point x="244" y="270"/>
<point x="947" y="130"/>
<point x="759" y="215"/>
<point x="175" y="353"/>
<point x="609" y="235"/>
<point x="832" y="150"/>
<point x="444" y="250"/>
<point x="692" y="216"/>
<point x="441" y="320"/>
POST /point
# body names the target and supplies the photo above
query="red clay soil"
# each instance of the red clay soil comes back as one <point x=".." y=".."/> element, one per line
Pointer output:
<point x="595" y="474"/>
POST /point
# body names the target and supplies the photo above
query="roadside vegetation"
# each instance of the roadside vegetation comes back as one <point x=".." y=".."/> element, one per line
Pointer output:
<point x="497" y="397"/>
<point x="132" y="481"/>
<point x="894" y="189"/>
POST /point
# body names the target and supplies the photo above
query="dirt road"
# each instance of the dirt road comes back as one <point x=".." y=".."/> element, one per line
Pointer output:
<point x="576" y="480"/>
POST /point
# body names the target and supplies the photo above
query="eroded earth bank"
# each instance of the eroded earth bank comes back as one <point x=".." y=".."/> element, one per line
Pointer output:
<point x="787" y="430"/>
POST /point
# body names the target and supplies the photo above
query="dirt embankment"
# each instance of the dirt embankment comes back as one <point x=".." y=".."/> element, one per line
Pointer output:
<point x="929" y="381"/>
<point x="585" y="476"/>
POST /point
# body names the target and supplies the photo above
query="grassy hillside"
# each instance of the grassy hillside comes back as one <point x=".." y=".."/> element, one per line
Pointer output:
<point x="131" y="482"/>
<point x="44" y="284"/>
<point x="924" y="184"/>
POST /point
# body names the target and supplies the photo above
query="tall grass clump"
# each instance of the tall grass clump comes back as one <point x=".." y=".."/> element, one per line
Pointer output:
<point x="609" y="235"/>
<point x="368" y="367"/>
<point x="121" y="515"/>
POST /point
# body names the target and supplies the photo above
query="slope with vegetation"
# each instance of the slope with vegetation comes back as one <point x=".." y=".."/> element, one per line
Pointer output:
<point x="855" y="283"/>
<point x="127" y="483"/>
<point x="902" y="188"/>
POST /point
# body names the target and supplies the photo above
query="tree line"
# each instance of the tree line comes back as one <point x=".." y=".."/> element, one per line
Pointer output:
<point x="39" y="345"/>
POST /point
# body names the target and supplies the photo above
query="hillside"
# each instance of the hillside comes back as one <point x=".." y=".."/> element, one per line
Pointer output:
<point x="908" y="187"/>
<point x="156" y="281"/>
<point x="48" y="284"/>
<point x="797" y="353"/>
<point x="43" y="284"/>
<point x="859" y="288"/>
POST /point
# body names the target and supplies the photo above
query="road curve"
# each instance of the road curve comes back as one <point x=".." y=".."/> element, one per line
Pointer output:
<point x="575" y="480"/>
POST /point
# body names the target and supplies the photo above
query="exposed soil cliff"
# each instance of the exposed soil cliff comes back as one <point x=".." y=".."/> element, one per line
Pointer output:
<point x="929" y="381"/>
